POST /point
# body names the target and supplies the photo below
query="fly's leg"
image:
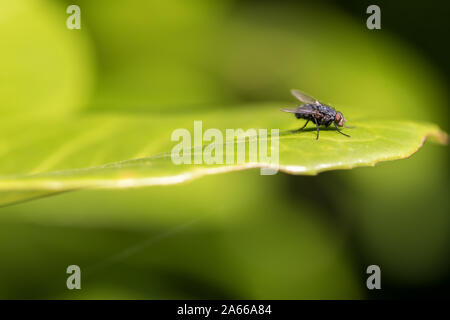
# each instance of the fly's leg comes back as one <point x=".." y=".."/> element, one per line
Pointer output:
<point x="302" y="127"/>
<point x="340" y="130"/>
<point x="317" y="126"/>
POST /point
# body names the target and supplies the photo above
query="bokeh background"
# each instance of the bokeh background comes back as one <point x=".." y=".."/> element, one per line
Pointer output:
<point x="238" y="235"/>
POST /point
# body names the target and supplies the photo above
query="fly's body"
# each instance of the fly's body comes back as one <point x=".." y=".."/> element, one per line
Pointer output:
<point x="317" y="112"/>
<point x="323" y="114"/>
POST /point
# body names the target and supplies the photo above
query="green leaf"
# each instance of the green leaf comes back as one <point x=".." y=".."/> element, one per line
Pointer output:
<point x="42" y="156"/>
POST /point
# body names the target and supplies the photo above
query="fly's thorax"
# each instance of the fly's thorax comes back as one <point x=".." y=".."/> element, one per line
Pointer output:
<point x="327" y="110"/>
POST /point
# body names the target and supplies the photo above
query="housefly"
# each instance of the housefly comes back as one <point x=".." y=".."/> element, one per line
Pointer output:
<point x="317" y="112"/>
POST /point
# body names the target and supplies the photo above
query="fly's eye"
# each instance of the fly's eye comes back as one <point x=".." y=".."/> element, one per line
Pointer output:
<point x="340" y="119"/>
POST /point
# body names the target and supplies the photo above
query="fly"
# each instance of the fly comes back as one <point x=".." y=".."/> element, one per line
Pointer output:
<point x="317" y="112"/>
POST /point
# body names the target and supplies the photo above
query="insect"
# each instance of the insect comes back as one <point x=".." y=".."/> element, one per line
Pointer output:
<point x="317" y="112"/>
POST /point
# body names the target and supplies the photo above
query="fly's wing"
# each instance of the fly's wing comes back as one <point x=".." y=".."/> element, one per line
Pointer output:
<point x="289" y="110"/>
<point x="300" y="110"/>
<point x="303" y="97"/>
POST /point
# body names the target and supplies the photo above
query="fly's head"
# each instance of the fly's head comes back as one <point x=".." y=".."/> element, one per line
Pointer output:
<point x="340" y="120"/>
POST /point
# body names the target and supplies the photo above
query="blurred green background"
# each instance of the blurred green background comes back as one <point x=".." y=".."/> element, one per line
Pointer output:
<point x="237" y="235"/>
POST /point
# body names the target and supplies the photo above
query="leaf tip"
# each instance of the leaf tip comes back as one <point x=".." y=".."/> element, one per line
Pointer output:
<point x="439" y="136"/>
